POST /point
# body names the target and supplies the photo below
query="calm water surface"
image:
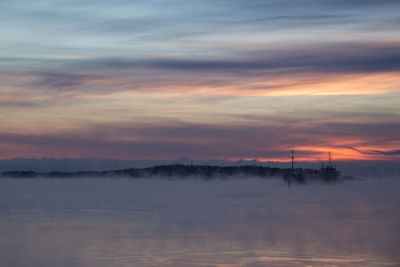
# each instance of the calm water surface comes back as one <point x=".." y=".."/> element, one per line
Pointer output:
<point x="239" y="222"/>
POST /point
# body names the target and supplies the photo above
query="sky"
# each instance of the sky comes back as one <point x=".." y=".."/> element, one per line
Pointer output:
<point x="226" y="79"/>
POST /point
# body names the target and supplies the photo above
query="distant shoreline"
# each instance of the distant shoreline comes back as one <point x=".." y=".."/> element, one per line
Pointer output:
<point x="183" y="172"/>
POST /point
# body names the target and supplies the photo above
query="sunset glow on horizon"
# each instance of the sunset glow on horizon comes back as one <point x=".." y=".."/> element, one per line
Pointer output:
<point x="200" y="79"/>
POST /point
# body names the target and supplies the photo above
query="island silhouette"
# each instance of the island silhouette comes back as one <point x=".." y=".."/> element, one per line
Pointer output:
<point x="208" y="172"/>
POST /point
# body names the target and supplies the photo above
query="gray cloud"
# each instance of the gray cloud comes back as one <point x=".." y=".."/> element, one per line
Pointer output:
<point x="22" y="104"/>
<point x="377" y="152"/>
<point x="201" y="140"/>
<point x="61" y="79"/>
<point x="361" y="3"/>
<point x="152" y="72"/>
<point x="325" y="58"/>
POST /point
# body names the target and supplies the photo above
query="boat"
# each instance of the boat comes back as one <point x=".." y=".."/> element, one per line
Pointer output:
<point x="328" y="172"/>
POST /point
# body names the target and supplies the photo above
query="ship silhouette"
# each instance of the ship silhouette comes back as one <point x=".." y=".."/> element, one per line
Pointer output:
<point x="327" y="173"/>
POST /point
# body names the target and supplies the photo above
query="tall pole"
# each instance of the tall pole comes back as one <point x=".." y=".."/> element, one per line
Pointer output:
<point x="292" y="159"/>
<point x="330" y="159"/>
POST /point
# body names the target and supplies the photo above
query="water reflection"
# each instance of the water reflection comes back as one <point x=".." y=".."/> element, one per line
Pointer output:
<point x="252" y="222"/>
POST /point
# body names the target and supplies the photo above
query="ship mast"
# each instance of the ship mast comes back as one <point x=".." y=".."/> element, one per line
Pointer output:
<point x="329" y="158"/>
<point x="292" y="159"/>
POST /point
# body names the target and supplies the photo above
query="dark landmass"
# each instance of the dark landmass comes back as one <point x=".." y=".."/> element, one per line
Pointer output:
<point x="367" y="168"/>
<point x="190" y="171"/>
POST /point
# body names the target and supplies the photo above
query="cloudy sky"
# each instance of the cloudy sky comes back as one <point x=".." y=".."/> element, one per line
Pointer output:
<point x="224" y="79"/>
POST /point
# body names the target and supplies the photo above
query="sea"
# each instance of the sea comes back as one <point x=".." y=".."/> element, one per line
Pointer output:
<point x="233" y="222"/>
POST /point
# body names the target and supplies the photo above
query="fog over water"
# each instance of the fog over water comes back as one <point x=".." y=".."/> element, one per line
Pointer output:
<point x="360" y="168"/>
<point x="193" y="222"/>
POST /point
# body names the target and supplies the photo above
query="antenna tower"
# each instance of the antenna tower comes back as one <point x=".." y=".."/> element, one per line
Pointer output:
<point x="292" y="159"/>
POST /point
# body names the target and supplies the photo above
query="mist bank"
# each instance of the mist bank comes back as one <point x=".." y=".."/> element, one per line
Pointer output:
<point x="207" y="172"/>
<point x="352" y="168"/>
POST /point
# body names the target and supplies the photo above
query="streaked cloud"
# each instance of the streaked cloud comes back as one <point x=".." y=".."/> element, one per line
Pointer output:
<point x="377" y="152"/>
<point x="173" y="140"/>
<point x="225" y="79"/>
